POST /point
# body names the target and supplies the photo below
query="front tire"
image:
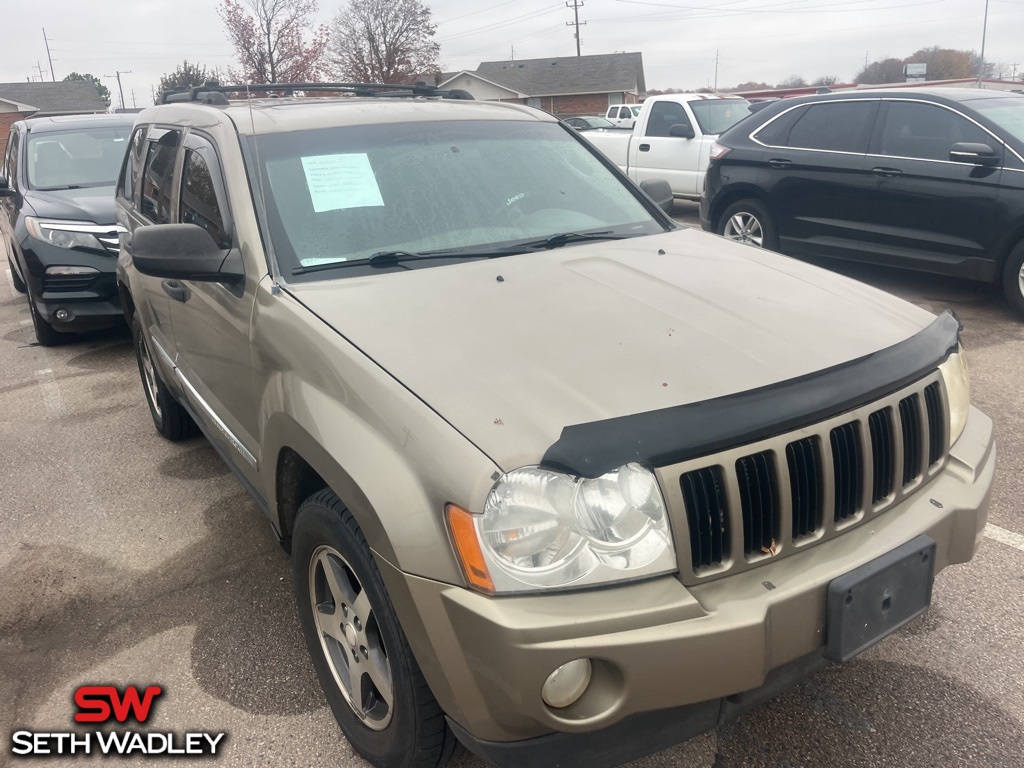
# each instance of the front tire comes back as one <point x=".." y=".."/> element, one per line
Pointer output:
<point x="19" y="284"/>
<point x="46" y="334"/>
<point x="748" y="222"/>
<point x="169" y="416"/>
<point x="1013" y="279"/>
<point x="361" y="656"/>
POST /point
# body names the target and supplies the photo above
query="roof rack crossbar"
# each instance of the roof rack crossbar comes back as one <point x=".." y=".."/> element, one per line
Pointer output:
<point x="216" y="94"/>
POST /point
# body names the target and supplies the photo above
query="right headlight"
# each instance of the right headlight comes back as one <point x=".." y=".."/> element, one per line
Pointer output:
<point x="547" y="530"/>
<point x="954" y="376"/>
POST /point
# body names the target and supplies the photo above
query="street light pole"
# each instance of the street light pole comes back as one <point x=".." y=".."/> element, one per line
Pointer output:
<point x="120" y="90"/>
<point x="984" y="29"/>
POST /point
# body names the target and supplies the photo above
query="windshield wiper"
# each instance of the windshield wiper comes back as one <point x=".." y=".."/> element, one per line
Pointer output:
<point x="378" y="259"/>
<point x="391" y="258"/>
<point x="59" y="188"/>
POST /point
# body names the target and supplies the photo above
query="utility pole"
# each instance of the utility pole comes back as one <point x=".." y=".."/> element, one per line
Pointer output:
<point x="40" y="70"/>
<point x="716" y="72"/>
<point x="134" y="105"/>
<point x="984" y="29"/>
<point x="46" y="42"/>
<point x="117" y="74"/>
<point x="576" y="5"/>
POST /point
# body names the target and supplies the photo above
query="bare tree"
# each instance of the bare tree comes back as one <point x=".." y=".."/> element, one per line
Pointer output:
<point x="793" y="81"/>
<point x="884" y="71"/>
<point x="384" y="41"/>
<point x="270" y="39"/>
<point x="826" y="80"/>
<point x="187" y="75"/>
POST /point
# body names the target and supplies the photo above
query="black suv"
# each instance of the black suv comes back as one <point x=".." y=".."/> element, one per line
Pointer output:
<point x="57" y="222"/>
<point x="921" y="178"/>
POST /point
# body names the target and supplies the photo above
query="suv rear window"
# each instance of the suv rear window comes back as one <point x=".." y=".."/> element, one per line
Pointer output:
<point x="836" y="126"/>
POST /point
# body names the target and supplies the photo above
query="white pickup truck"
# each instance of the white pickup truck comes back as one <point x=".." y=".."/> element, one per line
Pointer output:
<point x="672" y="139"/>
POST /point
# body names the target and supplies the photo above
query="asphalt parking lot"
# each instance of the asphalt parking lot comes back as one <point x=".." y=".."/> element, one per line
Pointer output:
<point x="128" y="559"/>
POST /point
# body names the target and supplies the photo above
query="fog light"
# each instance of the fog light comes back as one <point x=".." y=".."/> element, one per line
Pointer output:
<point x="567" y="683"/>
<point x="71" y="271"/>
<point x="63" y="315"/>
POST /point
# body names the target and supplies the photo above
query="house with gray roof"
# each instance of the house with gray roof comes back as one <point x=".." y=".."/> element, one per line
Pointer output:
<point x="21" y="100"/>
<point x="565" y="86"/>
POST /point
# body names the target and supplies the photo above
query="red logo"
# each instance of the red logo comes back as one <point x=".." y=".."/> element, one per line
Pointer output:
<point x="98" y="703"/>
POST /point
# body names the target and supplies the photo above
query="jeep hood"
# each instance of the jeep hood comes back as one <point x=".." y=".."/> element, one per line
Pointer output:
<point x="512" y="350"/>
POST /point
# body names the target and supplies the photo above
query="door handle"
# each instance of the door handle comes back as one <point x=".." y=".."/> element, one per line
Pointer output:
<point x="175" y="290"/>
<point x="888" y="173"/>
<point x="645" y="147"/>
<point x="776" y="163"/>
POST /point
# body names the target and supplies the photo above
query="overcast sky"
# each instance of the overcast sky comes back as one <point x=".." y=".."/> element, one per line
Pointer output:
<point x="760" y="40"/>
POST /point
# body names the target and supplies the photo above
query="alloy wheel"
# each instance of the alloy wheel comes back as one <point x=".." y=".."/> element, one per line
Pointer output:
<point x="350" y="638"/>
<point x="744" y="228"/>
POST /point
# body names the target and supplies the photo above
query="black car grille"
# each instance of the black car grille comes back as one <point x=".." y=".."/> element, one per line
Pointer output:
<point x="745" y="507"/>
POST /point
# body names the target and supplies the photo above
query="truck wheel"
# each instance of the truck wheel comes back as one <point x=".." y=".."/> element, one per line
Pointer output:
<point x="19" y="284"/>
<point x="169" y="416"/>
<point x="748" y="221"/>
<point x="1013" y="278"/>
<point x="46" y="334"/>
<point x="367" y="671"/>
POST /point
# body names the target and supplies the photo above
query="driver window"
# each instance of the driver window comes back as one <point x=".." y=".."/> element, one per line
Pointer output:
<point x="665" y="114"/>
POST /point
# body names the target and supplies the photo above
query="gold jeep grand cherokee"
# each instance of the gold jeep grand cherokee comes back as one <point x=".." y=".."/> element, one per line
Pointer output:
<point x="562" y="480"/>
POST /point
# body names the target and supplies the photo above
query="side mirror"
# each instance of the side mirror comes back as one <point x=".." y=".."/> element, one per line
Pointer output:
<point x="974" y="154"/>
<point x="184" y="252"/>
<point x="682" y="131"/>
<point x="660" y="191"/>
<point x="5" y="188"/>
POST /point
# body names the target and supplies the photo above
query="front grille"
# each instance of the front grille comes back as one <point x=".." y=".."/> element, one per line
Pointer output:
<point x="847" y="470"/>
<point x="111" y="241"/>
<point x="883" y="453"/>
<point x="706" y="512"/>
<point x="52" y="284"/>
<point x="805" y="485"/>
<point x="759" y="502"/>
<point x="798" y="489"/>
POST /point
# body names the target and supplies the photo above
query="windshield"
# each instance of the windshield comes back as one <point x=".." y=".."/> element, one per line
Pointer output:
<point x="344" y="194"/>
<point x="715" y="116"/>
<point x="87" y="157"/>
<point x="635" y="110"/>
<point x="1007" y="113"/>
<point x="599" y="122"/>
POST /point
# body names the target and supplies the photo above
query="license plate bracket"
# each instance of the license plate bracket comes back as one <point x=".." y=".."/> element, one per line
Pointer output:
<point x="874" y="600"/>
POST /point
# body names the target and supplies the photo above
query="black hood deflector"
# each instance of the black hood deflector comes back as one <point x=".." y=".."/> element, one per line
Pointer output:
<point x="671" y="435"/>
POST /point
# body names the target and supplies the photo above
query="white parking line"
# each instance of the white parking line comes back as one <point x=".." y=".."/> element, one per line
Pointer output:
<point x="1004" y="536"/>
<point x="52" y="399"/>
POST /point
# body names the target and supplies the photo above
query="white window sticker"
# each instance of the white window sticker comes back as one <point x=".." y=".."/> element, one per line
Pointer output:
<point x="337" y="182"/>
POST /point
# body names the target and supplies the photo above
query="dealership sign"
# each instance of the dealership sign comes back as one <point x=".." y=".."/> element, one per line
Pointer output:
<point x="104" y="704"/>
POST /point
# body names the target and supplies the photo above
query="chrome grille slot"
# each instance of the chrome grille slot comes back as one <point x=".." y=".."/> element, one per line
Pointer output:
<point x="707" y="514"/>
<point x="883" y="454"/>
<point x="848" y="468"/>
<point x="910" y="420"/>
<point x="936" y="423"/>
<point x="805" y="476"/>
<point x="759" y="502"/>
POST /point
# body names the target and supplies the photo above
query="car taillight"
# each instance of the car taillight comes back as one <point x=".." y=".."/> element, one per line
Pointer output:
<point x="719" y="151"/>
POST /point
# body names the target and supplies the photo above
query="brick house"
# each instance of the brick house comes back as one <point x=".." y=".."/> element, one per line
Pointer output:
<point x="21" y="100"/>
<point x="566" y="86"/>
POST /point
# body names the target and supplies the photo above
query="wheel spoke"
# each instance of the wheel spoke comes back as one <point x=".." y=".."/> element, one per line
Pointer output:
<point x="377" y="668"/>
<point x="328" y="619"/>
<point x="362" y="608"/>
<point x="337" y="582"/>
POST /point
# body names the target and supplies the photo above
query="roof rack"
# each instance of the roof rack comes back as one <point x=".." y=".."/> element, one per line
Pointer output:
<point x="215" y="94"/>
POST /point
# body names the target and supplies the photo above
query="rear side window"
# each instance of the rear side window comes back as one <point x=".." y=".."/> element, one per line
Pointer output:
<point x="837" y="127"/>
<point x="199" y="199"/>
<point x="776" y="133"/>
<point x="665" y="114"/>
<point x="157" y="178"/>
<point x="926" y="131"/>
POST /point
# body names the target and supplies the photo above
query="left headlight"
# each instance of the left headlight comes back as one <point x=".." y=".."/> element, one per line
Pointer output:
<point x="958" y="392"/>
<point x="63" y="234"/>
<point x="546" y="530"/>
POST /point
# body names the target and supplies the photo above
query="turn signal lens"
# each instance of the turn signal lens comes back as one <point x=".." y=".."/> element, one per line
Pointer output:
<point x="467" y="546"/>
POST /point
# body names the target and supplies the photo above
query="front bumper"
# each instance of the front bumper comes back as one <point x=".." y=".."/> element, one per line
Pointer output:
<point x="92" y="301"/>
<point x="669" y="660"/>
